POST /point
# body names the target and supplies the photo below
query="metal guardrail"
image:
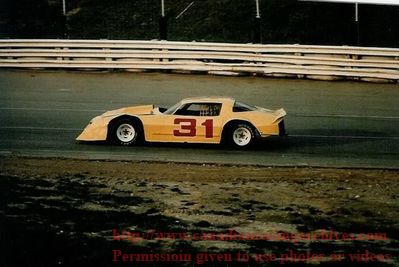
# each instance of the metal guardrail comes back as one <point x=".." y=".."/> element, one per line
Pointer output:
<point x="302" y="61"/>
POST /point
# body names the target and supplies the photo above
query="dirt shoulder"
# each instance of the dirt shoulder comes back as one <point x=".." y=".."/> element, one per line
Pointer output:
<point x="73" y="212"/>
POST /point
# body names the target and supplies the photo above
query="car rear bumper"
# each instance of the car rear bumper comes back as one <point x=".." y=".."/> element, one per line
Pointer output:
<point x="277" y="129"/>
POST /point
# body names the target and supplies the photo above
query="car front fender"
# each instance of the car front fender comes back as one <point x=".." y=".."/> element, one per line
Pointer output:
<point x="96" y="130"/>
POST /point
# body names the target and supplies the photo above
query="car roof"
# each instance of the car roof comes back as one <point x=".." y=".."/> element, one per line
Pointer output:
<point x="217" y="99"/>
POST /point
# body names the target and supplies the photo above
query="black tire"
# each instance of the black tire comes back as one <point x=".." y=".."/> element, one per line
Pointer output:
<point x="125" y="132"/>
<point x="241" y="135"/>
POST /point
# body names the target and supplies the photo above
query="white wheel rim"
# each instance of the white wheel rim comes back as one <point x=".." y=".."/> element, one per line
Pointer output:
<point x="242" y="136"/>
<point x="126" y="133"/>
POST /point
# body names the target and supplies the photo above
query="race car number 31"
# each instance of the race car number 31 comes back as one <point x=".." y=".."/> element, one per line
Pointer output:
<point x="188" y="127"/>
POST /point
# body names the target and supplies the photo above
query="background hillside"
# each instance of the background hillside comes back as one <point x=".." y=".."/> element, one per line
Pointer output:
<point x="283" y="21"/>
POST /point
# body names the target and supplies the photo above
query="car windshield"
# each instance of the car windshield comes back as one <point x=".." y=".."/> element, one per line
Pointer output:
<point x="172" y="109"/>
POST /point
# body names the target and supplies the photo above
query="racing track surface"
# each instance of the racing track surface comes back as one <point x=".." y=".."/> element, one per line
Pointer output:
<point x="329" y="123"/>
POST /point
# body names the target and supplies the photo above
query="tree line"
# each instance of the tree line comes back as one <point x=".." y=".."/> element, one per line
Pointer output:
<point x="282" y="21"/>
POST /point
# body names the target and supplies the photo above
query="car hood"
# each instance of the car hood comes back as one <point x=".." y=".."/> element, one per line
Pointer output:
<point x="135" y="110"/>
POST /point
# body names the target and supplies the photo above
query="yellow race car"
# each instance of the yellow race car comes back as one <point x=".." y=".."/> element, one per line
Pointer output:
<point x="192" y="120"/>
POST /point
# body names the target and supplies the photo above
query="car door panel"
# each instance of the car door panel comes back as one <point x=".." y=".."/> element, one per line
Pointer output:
<point x="177" y="128"/>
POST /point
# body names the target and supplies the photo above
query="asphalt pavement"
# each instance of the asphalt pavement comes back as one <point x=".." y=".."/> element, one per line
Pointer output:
<point x="332" y="124"/>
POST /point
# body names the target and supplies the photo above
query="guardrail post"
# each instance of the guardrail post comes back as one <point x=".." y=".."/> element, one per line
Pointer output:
<point x="165" y="51"/>
<point x="58" y="49"/>
<point x="106" y="57"/>
<point x="65" y="50"/>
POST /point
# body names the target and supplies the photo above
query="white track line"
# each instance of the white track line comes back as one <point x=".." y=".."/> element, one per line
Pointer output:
<point x="39" y="128"/>
<point x="345" y="116"/>
<point x="345" y="136"/>
<point x="290" y="135"/>
<point x="54" y="109"/>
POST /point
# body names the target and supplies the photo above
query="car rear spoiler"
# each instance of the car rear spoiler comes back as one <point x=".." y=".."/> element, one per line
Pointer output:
<point x="279" y="113"/>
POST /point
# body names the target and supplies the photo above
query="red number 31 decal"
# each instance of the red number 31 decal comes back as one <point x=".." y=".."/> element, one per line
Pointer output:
<point x="188" y="127"/>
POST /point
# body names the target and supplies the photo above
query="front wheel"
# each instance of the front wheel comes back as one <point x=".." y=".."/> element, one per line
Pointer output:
<point x="242" y="136"/>
<point x="125" y="132"/>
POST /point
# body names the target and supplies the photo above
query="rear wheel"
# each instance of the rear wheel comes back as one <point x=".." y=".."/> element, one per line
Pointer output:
<point x="125" y="132"/>
<point x="242" y="135"/>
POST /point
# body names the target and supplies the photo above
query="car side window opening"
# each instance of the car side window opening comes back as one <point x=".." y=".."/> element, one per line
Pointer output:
<point x="200" y="109"/>
<point x="241" y="107"/>
<point x="172" y="109"/>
